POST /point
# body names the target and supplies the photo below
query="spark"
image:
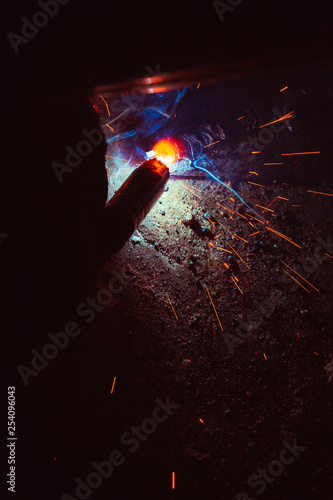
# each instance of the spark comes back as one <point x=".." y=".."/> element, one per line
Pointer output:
<point x="201" y="420"/>
<point x="255" y="233"/>
<point x="217" y="236"/>
<point x="317" y="192"/>
<point x="282" y="236"/>
<point x="172" y="307"/>
<point x="256" y="152"/>
<point x="252" y="172"/>
<point x="115" y="158"/>
<point x="226" y="186"/>
<point x="316" y="353"/>
<point x="306" y="153"/>
<point x="265" y="357"/>
<point x="211" y="221"/>
<point x="114" y="381"/>
<point x="285" y="117"/>
<point x="301" y="276"/>
<point x="224" y="250"/>
<point x="236" y="285"/>
<point x="226" y="265"/>
<point x="225" y="228"/>
<point x="240" y="237"/>
<point x="231" y="210"/>
<point x="107" y="106"/>
<point x="250" y="223"/>
<point x="296" y="205"/>
<point x="231" y="199"/>
<point x="112" y="129"/>
<point x="195" y="194"/>
<point x="254" y="218"/>
<point x="284" y="88"/>
<point x="198" y="85"/>
<point x="265" y="208"/>
<point x="241" y="118"/>
<point x="211" y="144"/>
<point x="286" y="199"/>
<point x="273" y="163"/>
<point x="197" y="189"/>
<point x="260" y="185"/>
<point x="296" y="281"/>
<point x="218" y="319"/>
<point x="238" y="255"/>
<point x="329" y="255"/>
<point x="173" y="481"/>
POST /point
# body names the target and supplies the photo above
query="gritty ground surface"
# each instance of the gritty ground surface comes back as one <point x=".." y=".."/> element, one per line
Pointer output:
<point x="242" y="391"/>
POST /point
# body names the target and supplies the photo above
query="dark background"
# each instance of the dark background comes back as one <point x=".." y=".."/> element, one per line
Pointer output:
<point x="46" y="265"/>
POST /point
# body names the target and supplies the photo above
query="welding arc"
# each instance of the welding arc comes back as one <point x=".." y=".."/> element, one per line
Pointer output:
<point x="230" y="189"/>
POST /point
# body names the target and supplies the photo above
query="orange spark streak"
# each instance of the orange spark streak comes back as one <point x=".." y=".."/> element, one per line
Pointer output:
<point x="112" y="129"/>
<point x="114" y="381"/>
<point x="218" y="319"/>
<point x="285" y="117"/>
<point x="197" y="189"/>
<point x="286" y="199"/>
<point x="265" y="208"/>
<point x="256" y="152"/>
<point x="255" y="233"/>
<point x="198" y="85"/>
<point x="220" y="248"/>
<point x="250" y="223"/>
<point x="211" y="144"/>
<point x="172" y="307"/>
<point x="107" y="106"/>
<point x="211" y="221"/>
<point x="201" y="420"/>
<point x="265" y="357"/>
<point x="241" y="118"/>
<point x="296" y="281"/>
<point x="173" y="481"/>
<point x="260" y="185"/>
<point x="237" y="285"/>
<point x="240" y="237"/>
<point x="284" y="88"/>
<point x="329" y="255"/>
<point x="261" y="222"/>
<point x="317" y="192"/>
<point x="307" y="153"/>
<point x="217" y="236"/>
<point x="282" y="236"/>
<point x="195" y="194"/>
<point x="238" y="255"/>
<point x="231" y="210"/>
<point x="225" y="228"/>
<point x="301" y="276"/>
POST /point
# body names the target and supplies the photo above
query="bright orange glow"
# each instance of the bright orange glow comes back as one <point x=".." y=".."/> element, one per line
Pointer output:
<point x="173" y="480"/>
<point x="166" y="151"/>
<point x="114" y="381"/>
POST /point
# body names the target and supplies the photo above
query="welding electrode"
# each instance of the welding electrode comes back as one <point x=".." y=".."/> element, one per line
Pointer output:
<point x="131" y="203"/>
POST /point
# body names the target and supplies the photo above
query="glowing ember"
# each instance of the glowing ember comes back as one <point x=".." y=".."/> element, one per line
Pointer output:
<point x="166" y="151"/>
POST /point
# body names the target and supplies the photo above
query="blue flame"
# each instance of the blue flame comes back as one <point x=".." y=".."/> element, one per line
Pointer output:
<point x="172" y="114"/>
